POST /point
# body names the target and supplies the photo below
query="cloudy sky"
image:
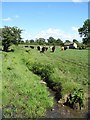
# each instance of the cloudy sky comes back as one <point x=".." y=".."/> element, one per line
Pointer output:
<point x="45" y="19"/>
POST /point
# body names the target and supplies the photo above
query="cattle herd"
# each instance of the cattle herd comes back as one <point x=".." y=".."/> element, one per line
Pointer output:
<point x="42" y="49"/>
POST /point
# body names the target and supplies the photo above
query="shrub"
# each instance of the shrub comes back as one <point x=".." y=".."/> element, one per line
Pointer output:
<point x="44" y="70"/>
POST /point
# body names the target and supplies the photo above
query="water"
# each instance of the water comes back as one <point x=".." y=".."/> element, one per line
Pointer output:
<point x="62" y="111"/>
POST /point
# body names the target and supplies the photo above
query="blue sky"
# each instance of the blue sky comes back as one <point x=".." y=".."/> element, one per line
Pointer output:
<point x="45" y="19"/>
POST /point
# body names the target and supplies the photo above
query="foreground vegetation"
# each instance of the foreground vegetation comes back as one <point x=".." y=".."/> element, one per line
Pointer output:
<point x="23" y="93"/>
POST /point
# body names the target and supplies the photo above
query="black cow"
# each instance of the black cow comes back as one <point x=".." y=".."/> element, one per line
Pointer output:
<point x="42" y="50"/>
<point x="65" y="47"/>
<point x="26" y="45"/>
<point x="46" y="48"/>
<point x="53" y="48"/>
<point x="32" y="47"/>
<point x="38" y="48"/>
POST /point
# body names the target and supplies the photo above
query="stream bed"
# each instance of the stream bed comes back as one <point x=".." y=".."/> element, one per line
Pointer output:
<point x="62" y="111"/>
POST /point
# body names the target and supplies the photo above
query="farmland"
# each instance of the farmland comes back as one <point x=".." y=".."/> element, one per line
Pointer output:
<point x="23" y="94"/>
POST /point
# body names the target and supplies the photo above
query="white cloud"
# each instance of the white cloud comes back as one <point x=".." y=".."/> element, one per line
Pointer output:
<point x="57" y="33"/>
<point x="75" y="29"/>
<point x="26" y="35"/>
<point x="7" y="19"/>
<point x="52" y="32"/>
<point x="76" y="0"/>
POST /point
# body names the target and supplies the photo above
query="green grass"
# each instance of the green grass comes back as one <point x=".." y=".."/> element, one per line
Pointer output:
<point x="0" y="80"/>
<point x="23" y="94"/>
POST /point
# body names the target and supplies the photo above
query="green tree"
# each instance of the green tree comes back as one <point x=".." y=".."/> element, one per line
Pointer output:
<point x="31" y="41"/>
<point x="51" y="40"/>
<point x="84" y="32"/>
<point x="59" y="42"/>
<point x="40" y="41"/>
<point x="22" y="42"/>
<point x="10" y="35"/>
<point x="67" y="41"/>
<point x="27" y="41"/>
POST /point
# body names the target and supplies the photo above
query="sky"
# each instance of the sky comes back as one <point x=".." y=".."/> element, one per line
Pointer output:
<point x="46" y="19"/>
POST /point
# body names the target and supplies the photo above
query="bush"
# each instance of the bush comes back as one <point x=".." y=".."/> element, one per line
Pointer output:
<point x="44" y="70"/>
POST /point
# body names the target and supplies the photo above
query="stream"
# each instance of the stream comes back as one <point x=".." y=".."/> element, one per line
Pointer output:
<point x="62" y="111"/>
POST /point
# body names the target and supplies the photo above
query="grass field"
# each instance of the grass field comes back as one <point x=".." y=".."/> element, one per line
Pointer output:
<point x="23" y="94"/>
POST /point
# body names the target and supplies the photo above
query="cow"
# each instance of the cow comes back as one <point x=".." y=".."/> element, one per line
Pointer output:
<point x="32" y="47"/>
<point x="26" y="45"/>
<point x="38" y="48"/>
<point x="42" y="50"/>
<point x="53" y="48"/>
<point x="46" y="48"/>
<point x="63" y="48"/>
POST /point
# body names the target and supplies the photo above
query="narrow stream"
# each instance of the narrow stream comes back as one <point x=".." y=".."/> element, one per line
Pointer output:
<point x="61" y="111"/>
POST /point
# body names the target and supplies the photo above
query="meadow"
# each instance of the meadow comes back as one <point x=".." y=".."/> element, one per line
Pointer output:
<point x="23" y="94"/>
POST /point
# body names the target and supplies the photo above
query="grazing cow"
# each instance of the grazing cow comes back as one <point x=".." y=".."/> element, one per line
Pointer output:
<point x="65" y="47"/>
<point x="42" y="50"/>
<point x="38" y="48"/>
<point x="32" y="47"/>
<point x="53" y="48"/>
<point x="62" y="48"/>
<point x="26" y="45"/>
<point x="46" y="48"/>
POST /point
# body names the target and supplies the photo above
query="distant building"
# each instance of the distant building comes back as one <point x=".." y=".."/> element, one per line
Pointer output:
<point x="70" y="45"/>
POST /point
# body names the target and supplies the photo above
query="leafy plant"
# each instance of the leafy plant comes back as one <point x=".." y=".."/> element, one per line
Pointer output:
<point x="77" y="96"/>
<point x="44" y="70"/>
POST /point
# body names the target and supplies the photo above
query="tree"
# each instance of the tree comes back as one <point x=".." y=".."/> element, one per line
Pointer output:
<point x="51" y="40"/>
<point x="84" y="32"/>
<point x="59" y="42"/>
<point x="67" y="41"/>
<point x="40" y="41"/>
<point x="10" y="35"/>
<point x="31" y="41"/>
<point x="22" y="42"/>
<point x="27" y="41"/>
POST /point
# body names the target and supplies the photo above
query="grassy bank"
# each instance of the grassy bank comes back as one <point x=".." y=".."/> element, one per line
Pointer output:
<point x="24" y="95"/>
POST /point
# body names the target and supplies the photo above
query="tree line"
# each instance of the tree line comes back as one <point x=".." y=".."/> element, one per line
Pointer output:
<point x="12" y="35"/>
